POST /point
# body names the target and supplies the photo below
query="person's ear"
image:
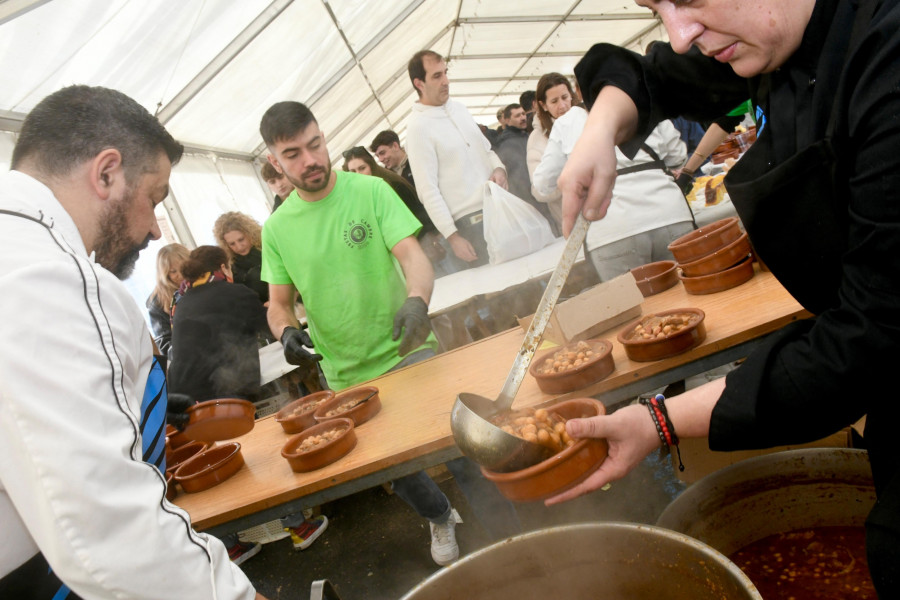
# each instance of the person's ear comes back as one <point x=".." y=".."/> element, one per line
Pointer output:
<point x="419" y="85"/>
<point x="274" y="162"/>
<point x="106" y="172"/>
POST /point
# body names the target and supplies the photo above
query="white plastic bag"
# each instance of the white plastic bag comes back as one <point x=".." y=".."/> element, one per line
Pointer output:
<point x="512" y="227"/>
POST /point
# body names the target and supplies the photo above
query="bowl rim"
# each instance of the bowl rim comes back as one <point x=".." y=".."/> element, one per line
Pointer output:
<point x="580" y="368"/>
<point x="671" y="266"/>
<point x="232" y="450"/>
<point x="547" y="464"/>
<point x="711" y="228"/>
<point x="700" y="278"/>
<point x="282" y="417"/>
<point x="204" y="446"/>
<point x="626" y="342"/>
<point x="339" y="397"/>
<point x="741" y="239"/>
<point x="343" y="422"/>
<point x="219" y="402"/>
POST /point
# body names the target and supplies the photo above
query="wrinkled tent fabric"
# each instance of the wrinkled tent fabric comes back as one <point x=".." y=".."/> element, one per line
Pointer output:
<point x="210" y="68"/>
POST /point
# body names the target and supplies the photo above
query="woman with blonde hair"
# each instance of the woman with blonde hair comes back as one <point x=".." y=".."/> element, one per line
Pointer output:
<point x="240" y="236"/>
<point x="168" y="278"/>
<point x="553" y="98"/>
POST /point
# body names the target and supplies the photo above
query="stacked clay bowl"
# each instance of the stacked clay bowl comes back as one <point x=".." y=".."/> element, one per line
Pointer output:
<point x="210" y="467"/>
<point x="181" y="454"/>
<point x="219" y="419"/>
<point x="713" y="258"/>
<point x="655" y="277"/>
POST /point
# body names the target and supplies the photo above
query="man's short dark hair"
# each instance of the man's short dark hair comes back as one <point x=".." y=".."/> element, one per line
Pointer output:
<point x="416" y="66"/>
<point x="268" y="172"/>
<point x="526" y="99"/>
<point x="284" y="120"/>
<point x="507" y="112"/>
<point x="75" y="124"/>
<point x="384" y="138"/>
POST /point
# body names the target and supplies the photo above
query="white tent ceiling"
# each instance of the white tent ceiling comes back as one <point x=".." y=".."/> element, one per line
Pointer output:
<point x="210" y="68"/>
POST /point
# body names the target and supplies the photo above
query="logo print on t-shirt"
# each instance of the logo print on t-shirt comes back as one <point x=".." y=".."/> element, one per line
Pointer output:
<point x="358" y="234"/>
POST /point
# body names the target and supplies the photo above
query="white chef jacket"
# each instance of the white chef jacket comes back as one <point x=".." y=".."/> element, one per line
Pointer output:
<point x="641" y="201"/>
<point x="74" y="357"/>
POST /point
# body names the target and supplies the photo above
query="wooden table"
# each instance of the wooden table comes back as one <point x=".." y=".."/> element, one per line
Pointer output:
<point x="412" y="431"/>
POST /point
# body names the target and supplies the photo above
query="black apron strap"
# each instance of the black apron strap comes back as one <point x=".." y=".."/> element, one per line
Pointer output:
<point x="657" y="163"/>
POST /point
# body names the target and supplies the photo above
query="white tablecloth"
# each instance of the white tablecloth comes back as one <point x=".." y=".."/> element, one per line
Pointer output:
<point x="455" y="288"/>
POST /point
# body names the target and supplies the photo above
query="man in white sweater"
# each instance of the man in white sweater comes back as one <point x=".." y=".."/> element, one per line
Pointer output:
<point x="450" y="158"/>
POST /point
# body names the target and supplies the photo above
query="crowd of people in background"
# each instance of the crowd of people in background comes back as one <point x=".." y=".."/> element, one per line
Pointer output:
<point x="419" y="205"/>
<point x="357" y="249"/>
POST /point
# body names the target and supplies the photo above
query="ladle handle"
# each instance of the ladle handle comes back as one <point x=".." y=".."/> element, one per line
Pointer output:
<point x="542" y="314"/>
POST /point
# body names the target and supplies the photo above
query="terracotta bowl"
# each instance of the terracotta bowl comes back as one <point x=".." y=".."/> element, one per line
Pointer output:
<point x="720" y="260"/>
<point x="359" y="413"/>
<point x="592" y="370"/>
<point x="323" y="454"/>
<point x="220" y="419"/>
<point x="298" y="415"/>
<point x="561" y="471"/>
<point x="718" y="282"/>
<point x="643" y="350"/>
<point x="655" y="277"/>
<point x="175" y="438"/>
<point x="705" y="240"/>
<point x="171" y="486"/>
<point x="210" y="467"/>
<point x="178" y="456"/>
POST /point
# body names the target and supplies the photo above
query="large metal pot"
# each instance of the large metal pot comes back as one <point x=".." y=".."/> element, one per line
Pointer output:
<point x="591" y="560"/>
<point x="774" y="493"/>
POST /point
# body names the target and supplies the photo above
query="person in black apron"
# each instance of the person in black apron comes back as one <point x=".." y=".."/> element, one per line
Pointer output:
<point x="818" y="195"/>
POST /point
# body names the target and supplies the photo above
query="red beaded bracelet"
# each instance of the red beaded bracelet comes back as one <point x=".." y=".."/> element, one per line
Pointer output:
<point x="664" y="426"/>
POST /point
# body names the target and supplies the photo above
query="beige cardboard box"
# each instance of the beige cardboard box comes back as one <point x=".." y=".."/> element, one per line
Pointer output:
<point x="593" y="311"/>
<point x="699" y="461"/>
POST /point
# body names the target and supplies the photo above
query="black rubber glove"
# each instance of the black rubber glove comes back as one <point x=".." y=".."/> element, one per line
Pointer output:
<point x="176" y="410"/>
<point x="685" y="182"/>
<point x="294" y="340"/>
<point x="412" y="319"/>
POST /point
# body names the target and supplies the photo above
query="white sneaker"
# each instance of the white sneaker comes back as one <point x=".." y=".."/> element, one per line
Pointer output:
<point x="444" y="549"/>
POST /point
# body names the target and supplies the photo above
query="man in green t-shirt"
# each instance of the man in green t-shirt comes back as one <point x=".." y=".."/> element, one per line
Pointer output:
<point x="347" y="243"/>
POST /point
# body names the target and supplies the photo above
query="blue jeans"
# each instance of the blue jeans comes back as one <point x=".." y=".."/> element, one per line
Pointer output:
<point x="494" y="512"/>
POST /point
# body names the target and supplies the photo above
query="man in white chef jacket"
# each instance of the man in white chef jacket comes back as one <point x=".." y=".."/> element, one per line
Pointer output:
<point x="81" y="513"/>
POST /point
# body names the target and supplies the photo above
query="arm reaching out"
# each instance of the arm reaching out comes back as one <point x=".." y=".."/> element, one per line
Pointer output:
<point x="632" y="435"/>
<point x="587" y="180"/>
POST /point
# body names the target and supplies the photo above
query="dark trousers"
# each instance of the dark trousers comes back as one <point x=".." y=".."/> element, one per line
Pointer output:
<point x="474" y="232"/>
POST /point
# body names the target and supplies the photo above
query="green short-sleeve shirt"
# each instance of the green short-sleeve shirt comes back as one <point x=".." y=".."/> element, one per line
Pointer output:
<point x="337" y="253"/>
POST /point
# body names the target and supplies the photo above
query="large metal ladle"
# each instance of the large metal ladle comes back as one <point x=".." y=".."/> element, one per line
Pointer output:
<point x="474" y="434"/>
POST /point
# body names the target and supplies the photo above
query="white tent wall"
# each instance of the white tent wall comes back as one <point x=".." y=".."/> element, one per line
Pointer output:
<point x="210" y="68"/>
<point x="7" y="142"/>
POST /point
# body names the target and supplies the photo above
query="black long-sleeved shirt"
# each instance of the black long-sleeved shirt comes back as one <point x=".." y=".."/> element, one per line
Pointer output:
<point x="816" y="375"/>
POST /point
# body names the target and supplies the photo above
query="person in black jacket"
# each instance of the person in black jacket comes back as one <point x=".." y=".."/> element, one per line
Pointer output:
<point x="817" y="193"/>
<point x="159" y="304"/>
<point x="215" y="328"/>
<point x="240" y="236"/>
